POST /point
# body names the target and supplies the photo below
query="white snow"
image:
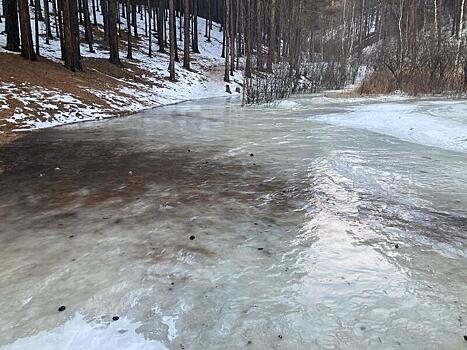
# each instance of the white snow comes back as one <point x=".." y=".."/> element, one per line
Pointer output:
<point x="78" y="334"/>
<point x="430" y="123"/>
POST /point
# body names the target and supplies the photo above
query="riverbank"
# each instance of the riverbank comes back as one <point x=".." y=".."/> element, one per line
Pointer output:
<point x="42" y="94"/>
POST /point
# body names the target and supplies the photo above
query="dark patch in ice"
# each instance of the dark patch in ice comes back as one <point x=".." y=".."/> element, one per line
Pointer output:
<point x="115" y="318"/>
<point x="61" y="308"/>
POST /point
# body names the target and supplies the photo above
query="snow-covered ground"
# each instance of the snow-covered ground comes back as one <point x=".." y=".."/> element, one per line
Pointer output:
<point x="434" y="123"/>
<point x="31" y="106"/>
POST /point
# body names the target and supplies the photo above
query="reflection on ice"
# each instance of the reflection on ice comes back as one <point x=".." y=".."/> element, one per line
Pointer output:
<point x="210" y="226"/>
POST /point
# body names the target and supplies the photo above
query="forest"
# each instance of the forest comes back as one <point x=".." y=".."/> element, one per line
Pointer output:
<point x="282" y="46"/>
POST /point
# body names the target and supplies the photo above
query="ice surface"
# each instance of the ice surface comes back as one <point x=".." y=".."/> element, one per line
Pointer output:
<point x="426" y="124"/>
<point x="77" y="334"/>
<point x="295" y="246"/>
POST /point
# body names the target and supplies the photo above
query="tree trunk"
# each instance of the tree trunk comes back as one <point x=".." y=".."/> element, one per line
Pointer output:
<point x="113" y="39"/>
<point x="36" y="25"/>
<point x="149" y="13"/>
<point x="461" y="30"/>
<point x="272" y="36"/>
<point x="174" y="24"/>
<point x="48" y="28"/>
<point x="129" y="54"/>
<point x="104" y="11"/>
<point x="259" y="38"/>
<point x="186" y="18"/>
<point x="209" y="20"/>
<point x="56" y="15"/>
<point x="87" y="25"/>
<point x="134" y="20"/>
<point x="173" y="38"/>
<point x="71" y="35"/>
<point x="11" y="25"/>
<point x="160" y="26"/>
<point x="226" y="35"/>
<point x="232" y="37"/>
<point x="248" y="38"/>
<point x="94" y="15"/>
<point x="27" y="48"/>
<point x="195" y="27"/>
<point x="59" y="17"/>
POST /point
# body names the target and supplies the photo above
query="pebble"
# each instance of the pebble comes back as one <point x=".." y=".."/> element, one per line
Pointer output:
<point x="260" y="248"/>
<point x="61" y="308"/>
<point x="115" y="318"/>
<point x="465" y="337"/>
<point x="397" y="246"/>
<point x="250" y="342"/>
<point x="252" y="155"/>
<point x="280" y="336"/>
<point x="192" y="238"/>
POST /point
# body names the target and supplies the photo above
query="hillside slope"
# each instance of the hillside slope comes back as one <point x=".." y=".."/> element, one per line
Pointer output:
<point x="44" y="94"/>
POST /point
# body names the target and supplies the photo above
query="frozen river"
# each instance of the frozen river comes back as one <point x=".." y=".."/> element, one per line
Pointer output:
<point x="321" y="223"/>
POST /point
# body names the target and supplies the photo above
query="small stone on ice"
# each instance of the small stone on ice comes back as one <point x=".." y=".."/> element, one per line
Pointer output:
<point x="61" y="308"/>
<point x="115" y="318"/>
<point x="252" y="155"/>
<point x="280" y="336"/>
<point x="397" y="246"/>
<point x="192" y="238"/>
<point x="465" y="337"/>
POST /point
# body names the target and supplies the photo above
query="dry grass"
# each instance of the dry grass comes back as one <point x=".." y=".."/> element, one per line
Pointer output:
<point x="413" y="81"/>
